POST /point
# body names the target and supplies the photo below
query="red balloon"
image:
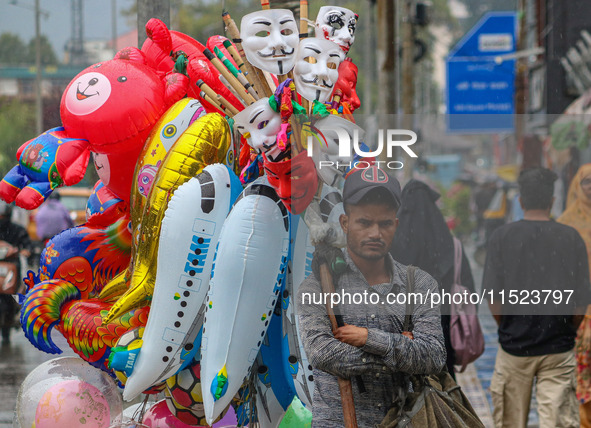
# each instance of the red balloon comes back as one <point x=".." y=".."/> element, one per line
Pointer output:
<point x="346" y="83"/>
<point x="217" y="41"/>
<point x="114" y="104"/>
<point x="162" y="41"/>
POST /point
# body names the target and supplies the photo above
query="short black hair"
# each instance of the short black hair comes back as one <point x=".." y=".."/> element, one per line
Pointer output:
<point x="536" y="188"/>
<point x="378" y="196"/>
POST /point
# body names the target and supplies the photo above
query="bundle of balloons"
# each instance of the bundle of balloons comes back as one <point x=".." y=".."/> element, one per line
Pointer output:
<point x="184" y="276"/>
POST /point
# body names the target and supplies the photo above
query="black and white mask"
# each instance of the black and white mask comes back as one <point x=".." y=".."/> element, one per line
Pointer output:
<point x="316" y="68"/>
<point x="336" y="24"/>
<point x="270" y="39"/>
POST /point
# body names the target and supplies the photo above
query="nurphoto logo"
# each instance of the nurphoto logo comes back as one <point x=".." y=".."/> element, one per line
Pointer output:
<point x="340" y="144"/>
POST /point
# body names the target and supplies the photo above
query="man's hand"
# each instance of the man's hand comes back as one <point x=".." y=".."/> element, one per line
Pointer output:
<point x="352" y="335"/>
<point x="330" y="255"/>
<point x="25" y="253"/>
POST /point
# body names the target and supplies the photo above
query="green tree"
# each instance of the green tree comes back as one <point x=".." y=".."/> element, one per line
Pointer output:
<point x="17" y="120"/>
<point x="12" y="49"/>
<point x="48" y="56"/>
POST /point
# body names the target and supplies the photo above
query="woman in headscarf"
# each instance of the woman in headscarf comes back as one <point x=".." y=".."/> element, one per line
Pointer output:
<point x="578" y="215"/>
<point x="423" y="239"/>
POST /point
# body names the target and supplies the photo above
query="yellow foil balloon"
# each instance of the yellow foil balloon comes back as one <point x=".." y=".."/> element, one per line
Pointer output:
<point x="165" y="133"/>
<point x="205" y="142"/>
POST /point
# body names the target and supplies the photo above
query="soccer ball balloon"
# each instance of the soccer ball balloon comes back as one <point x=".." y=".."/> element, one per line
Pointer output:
<point x="184" y="398"/>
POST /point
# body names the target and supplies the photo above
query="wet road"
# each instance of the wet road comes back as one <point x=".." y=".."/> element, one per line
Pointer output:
<point x="17" y="360"/>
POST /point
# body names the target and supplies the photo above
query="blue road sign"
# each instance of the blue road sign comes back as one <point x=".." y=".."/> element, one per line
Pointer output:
<point x="480" y="83"/>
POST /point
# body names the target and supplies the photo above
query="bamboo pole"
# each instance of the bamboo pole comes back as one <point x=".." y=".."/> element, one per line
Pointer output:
<point x="216" y="99"/>
<point x="303" y="34"/>
<point x="241" y="66"/>
<point x="233" y="81"/>
<point x="236" y="73"/>
<point x="260" y="85"/>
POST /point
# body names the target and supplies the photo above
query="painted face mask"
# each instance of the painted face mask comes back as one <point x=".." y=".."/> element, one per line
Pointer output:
<point x="325" y="151"/>
<point x="270" y="39"/>
<point x="316" y="68"/>
<point x="294" y="180"/>
<point x="259" y="124"/>
<point x="336" y="24"/>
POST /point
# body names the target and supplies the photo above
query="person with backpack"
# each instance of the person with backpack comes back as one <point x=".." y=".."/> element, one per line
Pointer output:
<point x="370" y="346"/>
<point x="424" y="240"/>
<point x="536" y="278"/>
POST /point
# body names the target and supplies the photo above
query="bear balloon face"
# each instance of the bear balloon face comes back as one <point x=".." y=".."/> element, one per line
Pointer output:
<point x="269" y="39"/>
<point x="114" y="104"/>
<point x="336" y="24"/>
<point x="88" y="93"/>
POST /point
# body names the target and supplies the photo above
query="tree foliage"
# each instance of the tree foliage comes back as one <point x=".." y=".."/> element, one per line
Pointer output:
<point x="17" y="120"/>
<point x="13" y="51"/>
<point x="48" y="56"/>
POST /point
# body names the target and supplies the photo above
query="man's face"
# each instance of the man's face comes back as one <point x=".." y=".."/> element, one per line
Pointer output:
<point x="370" y="230"/>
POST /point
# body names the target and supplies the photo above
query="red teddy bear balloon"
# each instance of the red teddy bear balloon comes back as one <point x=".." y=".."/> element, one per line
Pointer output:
<point x="109" y="109"/>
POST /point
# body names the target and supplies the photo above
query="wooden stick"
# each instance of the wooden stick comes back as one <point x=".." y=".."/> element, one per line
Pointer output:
<point x="345" y="387"/>
<point x="303" y="18"/>
<point x="261" y="87"/>
<point x="265" y="4"/>
<point x="216" y="99"/>
<point x="236" y="73"/>
<point x="242" y="66"/>
<point x="229" y="77"/>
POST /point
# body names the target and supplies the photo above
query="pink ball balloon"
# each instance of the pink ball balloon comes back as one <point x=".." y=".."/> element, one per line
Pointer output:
<point x="158" y="416"/>
<point x="72" y="404"/>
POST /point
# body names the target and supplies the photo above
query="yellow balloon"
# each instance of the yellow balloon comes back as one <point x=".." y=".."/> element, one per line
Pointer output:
<point x="165" y="133"/>
<point x="205" y="142"/>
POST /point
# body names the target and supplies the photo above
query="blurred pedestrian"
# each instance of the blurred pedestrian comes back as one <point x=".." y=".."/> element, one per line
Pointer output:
<point x="578" y="215"/>
<point x="52" y="217"/>
<point x="16" y="236"/>
<point x="482" y="199"/>
<point x="526" y="259"/>
<point x="423" y="239"/>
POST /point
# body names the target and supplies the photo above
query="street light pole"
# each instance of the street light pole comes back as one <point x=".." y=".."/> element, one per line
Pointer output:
<point x="408" y="76"/>
<point x="38" y="99"/>
<point x="114" y="26"/>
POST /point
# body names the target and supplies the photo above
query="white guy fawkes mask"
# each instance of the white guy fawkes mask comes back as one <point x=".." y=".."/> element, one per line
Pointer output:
<point x="260" y="124"/>
<point x="336" y="24"/>
<point x="269" y="39"/>
<point x="326" y="148"/>
<point x="316" y="68"/>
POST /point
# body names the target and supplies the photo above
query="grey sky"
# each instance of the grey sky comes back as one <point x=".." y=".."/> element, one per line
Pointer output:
<point x="57" y="27"/>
